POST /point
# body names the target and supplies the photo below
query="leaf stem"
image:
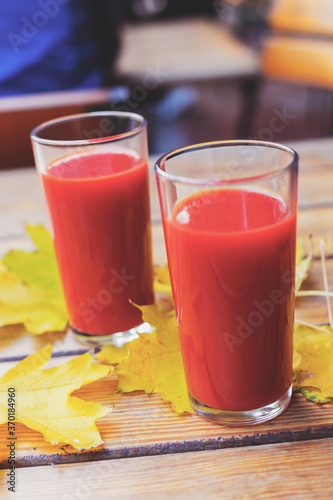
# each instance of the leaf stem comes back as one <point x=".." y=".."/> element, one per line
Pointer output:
<point x="327" y="292"/>
<point x="313" y="293"/>
<point x="304" y="266"/>
<point x="310" y="325"/>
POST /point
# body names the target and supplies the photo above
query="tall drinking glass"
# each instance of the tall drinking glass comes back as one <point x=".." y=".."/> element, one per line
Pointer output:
<point x="229" y="218"/>
<point x="93" y="169"/>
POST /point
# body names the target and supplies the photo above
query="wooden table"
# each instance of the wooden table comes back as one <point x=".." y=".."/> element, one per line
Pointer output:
<point x="182" y="51"/>
<point x="149" y="451"/>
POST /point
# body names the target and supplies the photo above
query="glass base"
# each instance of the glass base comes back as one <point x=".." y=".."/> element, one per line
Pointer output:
<point x="246" y="417"/>
<point x="117" y="339"/>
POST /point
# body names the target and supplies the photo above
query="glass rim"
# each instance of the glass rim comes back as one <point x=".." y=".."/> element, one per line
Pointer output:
<point x="141" y="125"/>
<point x="214" y="144"/>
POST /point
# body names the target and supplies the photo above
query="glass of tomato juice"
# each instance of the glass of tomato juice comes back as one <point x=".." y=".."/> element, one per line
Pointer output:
<point x="93" y="169"/>
<point x="229" y="219"/>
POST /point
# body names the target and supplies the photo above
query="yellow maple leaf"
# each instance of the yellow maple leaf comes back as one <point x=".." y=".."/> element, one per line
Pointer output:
<point x="31" y="306"/>
<point x="312" y="393"/>
<point x="39" y="267"/>
<point x="42" y="400"/>
<point x="297" y="358"/>
<point x="154" y="361"/>
<point x="111" y="355"/>
<point x="313" y="371"/>
<point x="162" y="279"/>
<point x="30" y="287"/>
<point x="302" y="265"/>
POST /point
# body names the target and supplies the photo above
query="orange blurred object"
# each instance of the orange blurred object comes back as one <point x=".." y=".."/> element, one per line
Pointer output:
<point x="300" y="47"/>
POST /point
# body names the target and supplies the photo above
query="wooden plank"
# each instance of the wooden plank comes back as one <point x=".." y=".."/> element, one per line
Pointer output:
<point x="301" y="470"/>
<point x="185" y="50"/>
<point x="143" y="424"/>
<point x="318" y="223"/>
<point x="314" y="151"/>
<point x="16" y="343"/>
<point x="315" y="186"/>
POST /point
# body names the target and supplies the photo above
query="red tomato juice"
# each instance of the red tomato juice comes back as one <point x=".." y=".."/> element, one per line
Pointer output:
<point x="232" y="256"/>
<point x="99" y="209"/>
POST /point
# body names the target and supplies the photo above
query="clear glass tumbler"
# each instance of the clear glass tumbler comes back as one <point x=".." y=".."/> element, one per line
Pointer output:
<point x="229" y="218"/>
<point x="93" y="168"/>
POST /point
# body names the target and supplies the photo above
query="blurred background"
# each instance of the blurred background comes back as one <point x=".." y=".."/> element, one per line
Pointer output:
<point x="198" y="70"/>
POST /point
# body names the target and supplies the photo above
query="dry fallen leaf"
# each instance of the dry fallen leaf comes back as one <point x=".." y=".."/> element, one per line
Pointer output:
<point x="302" y="264"/>
<point x="38" y="268"/>
<point x="43" y="403"/>
<point x="31" y="306"/>
<point x="30" y="287"/>
<point x="162" y="279"/>
<point x="313" y="344"/>
<point x="312" y="394"/>
<point x="313" y="372"/>
<point x="111" y="355"/>
<point x="154" y="361"/>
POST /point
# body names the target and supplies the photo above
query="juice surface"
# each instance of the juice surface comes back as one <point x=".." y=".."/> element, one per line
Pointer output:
<point x="232" y="256"/>
<point x="99" y="208"/>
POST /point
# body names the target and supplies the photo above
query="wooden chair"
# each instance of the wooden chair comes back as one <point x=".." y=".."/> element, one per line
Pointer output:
<point x="19" y="115"/>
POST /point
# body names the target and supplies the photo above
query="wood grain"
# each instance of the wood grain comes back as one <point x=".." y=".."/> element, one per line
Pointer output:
<point x="318" y="223"/>
<point x="143" y="424"/>
<point x="269" y="472"/>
